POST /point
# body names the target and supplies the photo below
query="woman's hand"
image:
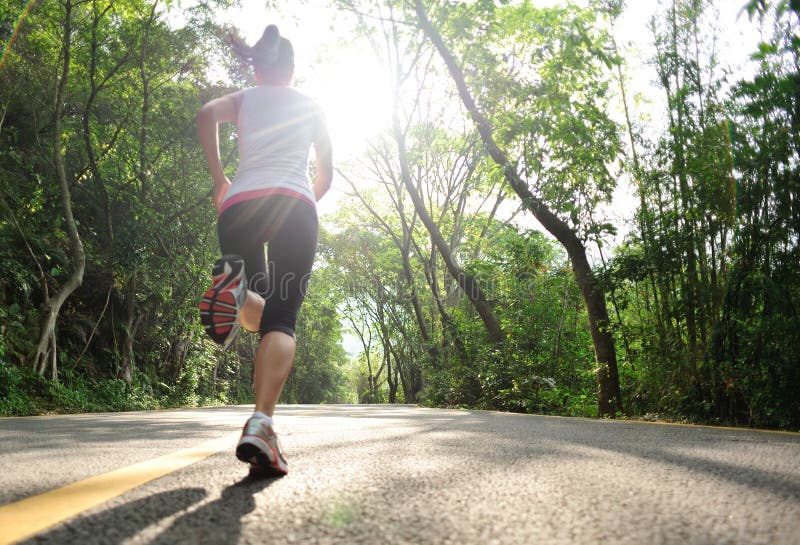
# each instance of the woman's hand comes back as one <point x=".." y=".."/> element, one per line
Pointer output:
<point x="324" y="156"/>
<point x="220" y="189"/>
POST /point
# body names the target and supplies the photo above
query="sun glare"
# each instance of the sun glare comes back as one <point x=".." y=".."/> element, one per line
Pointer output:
<point x="353" y="91"/>
<point x="345" y="78"/>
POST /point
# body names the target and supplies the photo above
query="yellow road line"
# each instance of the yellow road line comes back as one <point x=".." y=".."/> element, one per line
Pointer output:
<point x="24" y="518"/>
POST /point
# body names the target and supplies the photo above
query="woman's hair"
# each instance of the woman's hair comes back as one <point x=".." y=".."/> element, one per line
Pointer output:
<point x="272" y="54"/>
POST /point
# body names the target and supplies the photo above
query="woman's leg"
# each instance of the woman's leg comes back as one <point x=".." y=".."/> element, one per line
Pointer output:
<point x="273" y="363"/>
<point x="250" y="315"/>
<point x="291" y="256"/>
<point x="292" y="242"/>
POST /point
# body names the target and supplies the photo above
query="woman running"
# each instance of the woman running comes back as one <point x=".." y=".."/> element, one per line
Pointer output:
<point x="270" y="201"/>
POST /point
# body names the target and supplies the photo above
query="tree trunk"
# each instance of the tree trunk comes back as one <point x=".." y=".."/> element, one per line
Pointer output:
<point x="127" y="363"/>
<point x="609" y="397"/>
<point x="404" y="246"/>
<point x="391" y="379"/>
<point x="467" y="282"/>
<point x="179" y="348"/>
<point x="678" y="130"/>
<point x="449" y="330"/>
<point x="643" y="217"/>
<point x="46" y="348"/>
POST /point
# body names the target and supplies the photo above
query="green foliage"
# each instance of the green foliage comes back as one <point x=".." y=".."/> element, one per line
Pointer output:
<point x="545" y="363"/>
<point x="15" y="390"/>
<point x="542" y="76"/>
<point x="705" y="289"/>
<point x="752" y="372"/>
<point x="319" y="374"/>
<point x="139" y="189"/>
<point x="24" y="392"/>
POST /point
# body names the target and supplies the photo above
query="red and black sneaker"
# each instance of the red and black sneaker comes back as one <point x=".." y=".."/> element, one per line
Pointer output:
<point x="259" y="447"/>
<point x="221" y="303"/>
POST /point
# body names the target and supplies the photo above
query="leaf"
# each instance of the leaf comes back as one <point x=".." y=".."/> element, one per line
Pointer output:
<point x="768" y="48"/>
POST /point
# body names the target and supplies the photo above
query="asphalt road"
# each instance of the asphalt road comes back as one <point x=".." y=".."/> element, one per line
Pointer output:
<point x="399" y="474"/>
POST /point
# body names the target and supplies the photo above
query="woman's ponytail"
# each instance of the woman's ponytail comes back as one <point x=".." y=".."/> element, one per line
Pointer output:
<point x="272" y="54"/>
<point x="266" y="49"/>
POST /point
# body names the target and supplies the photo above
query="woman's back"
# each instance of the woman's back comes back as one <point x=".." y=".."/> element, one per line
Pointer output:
<point x="276" y="126"/>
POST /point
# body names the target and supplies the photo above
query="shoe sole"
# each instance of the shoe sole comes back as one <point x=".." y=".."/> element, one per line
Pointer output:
<point x="260" y="462"/>
<point x="220" y="304"/>
<point x="258" y="472"/>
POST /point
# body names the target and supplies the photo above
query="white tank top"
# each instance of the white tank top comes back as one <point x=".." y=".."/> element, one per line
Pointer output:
<point x="276" y="127"/>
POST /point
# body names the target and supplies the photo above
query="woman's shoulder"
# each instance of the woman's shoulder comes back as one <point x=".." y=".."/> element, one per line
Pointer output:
<point x="302" y="96"/>
<point x="300" y="101"/>
<point x="283" y="98"/>
<point x="281" y="92"/>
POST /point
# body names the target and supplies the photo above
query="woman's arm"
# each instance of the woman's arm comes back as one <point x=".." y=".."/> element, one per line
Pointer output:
<point x="209" y="117"/>
<point x="324" y="159"/>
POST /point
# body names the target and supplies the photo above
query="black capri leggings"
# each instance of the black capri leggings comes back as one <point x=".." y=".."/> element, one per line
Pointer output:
<point x="289" y="227"/>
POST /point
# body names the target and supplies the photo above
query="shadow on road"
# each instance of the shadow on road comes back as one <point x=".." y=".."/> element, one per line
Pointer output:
<point x="688" y="449"/>
<point x="219" y="521"/>
<point x="117" y="524"/>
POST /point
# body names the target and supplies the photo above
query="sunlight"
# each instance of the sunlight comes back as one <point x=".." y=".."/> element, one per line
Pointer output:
<point x="343" y="76"/>
<point x="355" y="98"/>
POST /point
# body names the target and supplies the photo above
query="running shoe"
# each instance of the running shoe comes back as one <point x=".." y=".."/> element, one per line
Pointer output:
<point x="259" y="447"/>
<point x="221" y="303"/>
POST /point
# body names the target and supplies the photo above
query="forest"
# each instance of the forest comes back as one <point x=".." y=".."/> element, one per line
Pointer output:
<point x="528" y="231"/>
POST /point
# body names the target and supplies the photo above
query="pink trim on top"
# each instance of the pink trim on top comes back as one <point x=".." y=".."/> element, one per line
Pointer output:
<point x="255" y="194"/>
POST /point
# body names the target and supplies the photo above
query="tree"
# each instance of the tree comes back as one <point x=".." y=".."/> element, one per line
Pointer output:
<point x="46" y="350"/>
<point x="608" y="379"/>
<point x="752" y="372"/>
<point x="120" y="110"/>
